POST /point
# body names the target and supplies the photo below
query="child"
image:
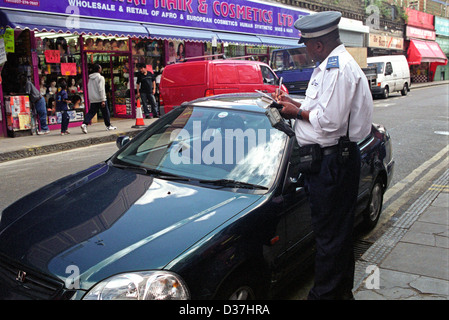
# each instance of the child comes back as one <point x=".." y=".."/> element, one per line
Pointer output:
<point x="61" y="106"/>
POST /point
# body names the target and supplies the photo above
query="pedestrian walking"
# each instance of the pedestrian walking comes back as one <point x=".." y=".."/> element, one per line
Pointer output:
<point x="37" y="100"/>
<point x="97" y="98"/>
<point x="62" y="99"/>
<point x="146" y="89"/>
<point x="335" y="115"/>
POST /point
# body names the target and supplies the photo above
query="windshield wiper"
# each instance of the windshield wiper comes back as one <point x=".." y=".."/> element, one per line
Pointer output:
<point x="130" y="168"/>
<point x="233" y="183"/>
<point x="160" y="174"/>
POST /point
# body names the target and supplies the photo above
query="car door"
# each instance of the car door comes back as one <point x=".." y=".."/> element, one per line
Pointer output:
<point x="296" y="215"/>
<point x="366" y="147"/>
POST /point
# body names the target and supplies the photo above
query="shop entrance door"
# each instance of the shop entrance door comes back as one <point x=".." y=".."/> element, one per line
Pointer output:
<point x="116" y="71"/>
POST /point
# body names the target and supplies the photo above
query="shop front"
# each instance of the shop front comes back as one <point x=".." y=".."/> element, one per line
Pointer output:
<point x="424" y="54"/>
<point x="53" y="41"/>
<point x="442" y="38"/>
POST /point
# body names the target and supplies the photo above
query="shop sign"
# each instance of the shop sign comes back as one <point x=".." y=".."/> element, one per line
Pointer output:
<point x="245" y="16"/>
<point x="444" y="44"/>
<point x="412" y="32"/>
<point x="442" y="26"/>
<point x="52" y="56"/>
<point x="2" y="52"/>
<point x="386" y="42"/>
<point x="8" y="36"/>
<point x="68" y="69"/>
<point x="419" y="19"/>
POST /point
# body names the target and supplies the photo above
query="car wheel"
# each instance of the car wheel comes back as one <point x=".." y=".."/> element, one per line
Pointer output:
<point x="404" y="90"/>
<point x="242" y="287"/>
<point x="385" y="93"/>
<point x="374" y="208"/>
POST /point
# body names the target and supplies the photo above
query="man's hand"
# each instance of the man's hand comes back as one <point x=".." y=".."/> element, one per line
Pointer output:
<point x="281" y="96"/>
<point x="289" y="111"/>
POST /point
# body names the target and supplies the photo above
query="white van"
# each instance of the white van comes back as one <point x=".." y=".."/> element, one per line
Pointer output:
<point x="393" y="74"/>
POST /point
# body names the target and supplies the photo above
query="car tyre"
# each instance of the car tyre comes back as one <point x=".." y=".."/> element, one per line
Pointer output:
<point x="385" y="93"/>
<point x="372" y="212"/>
<point x="404" y="90"/>
<point x="240" y="287"/>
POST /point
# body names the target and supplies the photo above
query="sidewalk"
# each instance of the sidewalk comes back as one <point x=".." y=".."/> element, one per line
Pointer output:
<point x="33" y="145"/>
<point x="413" y="254"/>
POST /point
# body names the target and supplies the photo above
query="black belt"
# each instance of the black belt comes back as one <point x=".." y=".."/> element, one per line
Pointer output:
<point x="329" y="150"/>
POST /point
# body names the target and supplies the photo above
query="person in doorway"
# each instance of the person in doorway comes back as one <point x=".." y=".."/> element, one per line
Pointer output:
<point x="62" y="99"/>
<point x="97" y="98"/>
<point x="338" y="104"/>
<point x="38" y="101"/>
<point x="146" y="89"/>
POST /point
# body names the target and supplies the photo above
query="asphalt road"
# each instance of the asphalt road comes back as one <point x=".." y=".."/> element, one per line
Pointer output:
<point x="417" y="123"/>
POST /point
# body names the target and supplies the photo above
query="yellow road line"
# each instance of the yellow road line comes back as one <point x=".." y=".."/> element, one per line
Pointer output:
<point x="413" y="188"/>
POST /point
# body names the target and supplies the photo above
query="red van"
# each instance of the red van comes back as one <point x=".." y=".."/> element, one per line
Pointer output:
<point x="191" y="80"/>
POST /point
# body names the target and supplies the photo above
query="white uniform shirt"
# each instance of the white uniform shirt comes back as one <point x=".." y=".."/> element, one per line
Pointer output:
<point x="337" y="86"/>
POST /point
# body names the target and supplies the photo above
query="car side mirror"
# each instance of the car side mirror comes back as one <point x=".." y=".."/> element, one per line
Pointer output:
<point x="121" y="141"/>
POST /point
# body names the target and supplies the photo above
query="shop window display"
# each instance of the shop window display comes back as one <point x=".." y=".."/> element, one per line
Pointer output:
<point x="150" y="53"/>
<point x="17" y="105"/>
<point x="59" y="59"/>
<point x="232" y="50"/>
<point x="113" y="54"/>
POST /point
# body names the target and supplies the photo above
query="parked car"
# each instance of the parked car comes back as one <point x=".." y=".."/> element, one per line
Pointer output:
<point x="187" y="81"/>
<point x="393" y="75"/>
<point x="205" y="203"/>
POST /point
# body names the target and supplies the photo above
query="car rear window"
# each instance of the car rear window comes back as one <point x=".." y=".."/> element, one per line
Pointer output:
<point x="185" y="75"/>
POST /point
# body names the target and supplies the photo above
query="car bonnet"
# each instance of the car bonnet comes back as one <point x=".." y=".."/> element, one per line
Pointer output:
<point x="111" y="221"/>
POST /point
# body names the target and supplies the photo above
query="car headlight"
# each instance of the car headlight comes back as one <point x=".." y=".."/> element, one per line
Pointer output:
<point x="148" y="285"/>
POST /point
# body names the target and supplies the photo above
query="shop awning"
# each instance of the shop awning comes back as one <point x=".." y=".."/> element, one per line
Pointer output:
<point x="239" y="38"/>
<point x="66" y="24"/>
<point x="279" y="42"/>
<point x="425" y="51"/>
<point x="175" y="33"/>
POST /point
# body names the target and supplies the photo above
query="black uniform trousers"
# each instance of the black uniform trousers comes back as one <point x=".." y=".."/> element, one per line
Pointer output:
<point x="333" y="197"/>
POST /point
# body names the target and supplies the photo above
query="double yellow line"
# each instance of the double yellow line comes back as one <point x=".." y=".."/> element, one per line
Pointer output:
<point x="439" y="187"/>
<point x="434" y="167"/>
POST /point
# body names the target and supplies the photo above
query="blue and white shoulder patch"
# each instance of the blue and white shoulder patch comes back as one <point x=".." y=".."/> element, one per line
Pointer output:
<point x="332" y="62"/>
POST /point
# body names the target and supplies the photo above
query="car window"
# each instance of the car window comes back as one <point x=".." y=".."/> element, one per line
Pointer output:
<point x="292" y="59"/>
<point x="267" y="75"/>
<point x="379" y="66"/>
<point x="388" y="68"/>
<point x="210" y="143"/>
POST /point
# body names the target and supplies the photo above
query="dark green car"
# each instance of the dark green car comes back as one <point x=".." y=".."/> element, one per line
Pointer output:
<point x="206" y="203"/>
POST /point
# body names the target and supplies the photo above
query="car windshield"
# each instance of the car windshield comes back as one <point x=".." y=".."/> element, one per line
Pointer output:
<point x="209" y="144"/>
<point x="378" y="65"/>
<point x="292" y="59"/>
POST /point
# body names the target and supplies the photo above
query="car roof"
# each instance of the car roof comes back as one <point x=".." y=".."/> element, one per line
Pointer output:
<point x="216" y="61"/>
<point x="235" y="101"/>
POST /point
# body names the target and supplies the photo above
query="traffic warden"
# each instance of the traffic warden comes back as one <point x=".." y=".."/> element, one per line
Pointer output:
<point x="335" y="114"/>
